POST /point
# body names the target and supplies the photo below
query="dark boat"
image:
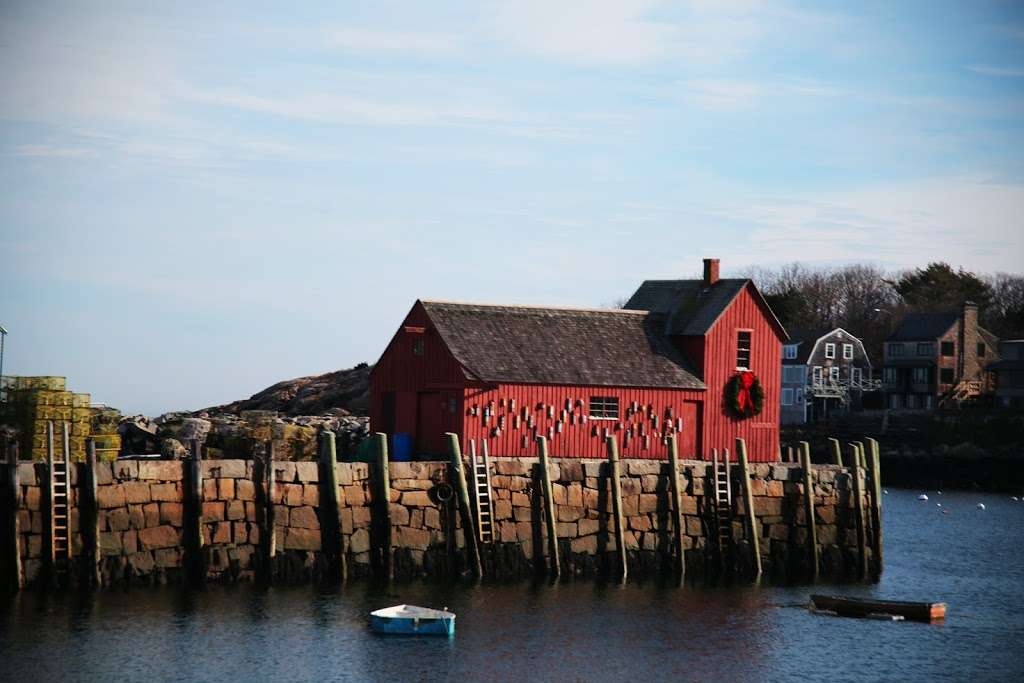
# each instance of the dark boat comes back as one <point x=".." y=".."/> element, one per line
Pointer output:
<point x="860" y="607"/>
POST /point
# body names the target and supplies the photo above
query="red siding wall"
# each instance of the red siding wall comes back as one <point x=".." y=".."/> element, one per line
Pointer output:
<point x="432" y="381"/>
<point x="720" y="428"/>
<point x="576" y="438"/>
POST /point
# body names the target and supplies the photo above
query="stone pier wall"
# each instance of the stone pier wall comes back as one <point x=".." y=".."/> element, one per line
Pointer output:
<point x="143" y="513"/>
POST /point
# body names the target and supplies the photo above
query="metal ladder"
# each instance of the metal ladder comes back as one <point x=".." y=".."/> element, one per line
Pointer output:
<point x="60" y="508"/>
<point x="722" y="503"/>
<point x="482" y="492"/>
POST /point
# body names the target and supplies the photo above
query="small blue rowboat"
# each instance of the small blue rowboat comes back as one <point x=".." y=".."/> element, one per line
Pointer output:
<point x="411" y="620"/>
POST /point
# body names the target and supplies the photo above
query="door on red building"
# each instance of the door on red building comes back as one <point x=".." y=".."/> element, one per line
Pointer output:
<point x="430" y="426"/>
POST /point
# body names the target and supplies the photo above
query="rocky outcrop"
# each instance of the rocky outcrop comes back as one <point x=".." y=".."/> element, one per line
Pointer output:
<point x="344" y="391"/>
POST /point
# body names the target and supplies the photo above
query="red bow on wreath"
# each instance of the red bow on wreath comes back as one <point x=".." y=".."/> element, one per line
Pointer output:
<point x="743" y="397"/>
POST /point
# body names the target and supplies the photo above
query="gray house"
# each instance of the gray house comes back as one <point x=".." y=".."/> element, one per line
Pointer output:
<point x="823" y="372"/>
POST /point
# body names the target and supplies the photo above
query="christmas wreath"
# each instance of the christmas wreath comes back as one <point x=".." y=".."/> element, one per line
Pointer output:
<point x="744" y="396"/>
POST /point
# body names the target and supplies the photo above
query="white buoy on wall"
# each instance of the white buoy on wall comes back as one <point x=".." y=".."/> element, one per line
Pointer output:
<point x="922" y="497"/>
<point x="981" y="506"/>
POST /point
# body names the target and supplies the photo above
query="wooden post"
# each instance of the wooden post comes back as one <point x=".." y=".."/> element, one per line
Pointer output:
<point x="875" y="465"/>
<point x="858" y="493"/>
<point x="812" y="524"/>
<point x="677" y="506"/>
<point x="330" y="509"/>
<point x="748" y="504"/>
<point x="789" y="454"/>
<point x="837" y="453"/>
<point x="50" y="522"/>
<point x="458" y="477"/>
<point x="88" y="515"/>
<point x="12" y="555"/>
<point x="269" y="512"/>
<point x="615" y="474"/>
<point x="197" y="567"/>
<point x="382" y="497"/>
<point x="549" y="508"/>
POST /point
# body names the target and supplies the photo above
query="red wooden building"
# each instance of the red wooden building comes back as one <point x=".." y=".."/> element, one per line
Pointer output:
<point x="660" y="366"/>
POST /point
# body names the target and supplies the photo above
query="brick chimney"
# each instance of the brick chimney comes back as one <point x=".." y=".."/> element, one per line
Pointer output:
<point x="710" y="271"/>
<point x="969" y="338"/>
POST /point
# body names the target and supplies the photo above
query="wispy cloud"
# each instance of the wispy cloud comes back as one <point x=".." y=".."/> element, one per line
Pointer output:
<point x="722" y="94"/>
<point x="412" y="42"/>
<point x="1002" y="71"/>
<point x="47" y="151"/>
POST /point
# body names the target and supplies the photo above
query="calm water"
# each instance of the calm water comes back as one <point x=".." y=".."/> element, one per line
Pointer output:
<point x="583" y="631"/>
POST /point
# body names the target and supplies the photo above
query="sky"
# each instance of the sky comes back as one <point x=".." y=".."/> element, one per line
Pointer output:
<point x="201" y="199"/>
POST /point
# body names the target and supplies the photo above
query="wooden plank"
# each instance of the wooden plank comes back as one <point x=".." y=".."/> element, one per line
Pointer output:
<point x="858" y="493"/>
<point x="194" y="502"/>
<point x="748" y="504"/>
<point x="677" y="507"/>
<point x="89" y="518"/>
<point x="12" y="553"/>
<point x="615" y="474"/>
<point x="382" y="501"/>
<point x="837" y="453"/>
<point x="549" y="508"/>
<point x="458" y="477"/>
<point x="875" y="466"/>
<point x="809" y="514"/>
<point x="330" y="528"/>
<point x="269" y="489"/>
<point x="51" y="531"/>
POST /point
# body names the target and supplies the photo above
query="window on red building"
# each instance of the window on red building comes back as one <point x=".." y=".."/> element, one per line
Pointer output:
<point x="743" y="349"/>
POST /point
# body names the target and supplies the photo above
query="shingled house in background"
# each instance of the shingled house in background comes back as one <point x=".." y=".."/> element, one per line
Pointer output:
<point x="506" y="374"/>
<point x="934" y="358"/>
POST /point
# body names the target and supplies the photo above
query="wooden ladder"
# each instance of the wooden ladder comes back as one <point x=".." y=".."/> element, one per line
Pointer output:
<point x="60" y="508"/>
<point x="722" y="504"/>
<point x="482" y="492"/>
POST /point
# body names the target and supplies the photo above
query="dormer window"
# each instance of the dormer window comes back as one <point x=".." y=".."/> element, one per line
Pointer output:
<point x="830" y="350"/>
<point x="743" y="349"/>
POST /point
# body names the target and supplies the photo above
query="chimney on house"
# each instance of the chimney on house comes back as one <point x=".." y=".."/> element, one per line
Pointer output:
<point x="969" y="338"/>
<point x="710" y="271"/>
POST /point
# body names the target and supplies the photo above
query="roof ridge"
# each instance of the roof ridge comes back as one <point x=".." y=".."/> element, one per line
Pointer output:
<point x="537" y="307"/>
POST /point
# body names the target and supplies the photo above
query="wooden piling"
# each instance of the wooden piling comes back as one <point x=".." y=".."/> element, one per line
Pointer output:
<point x="858" y="493"/>
<point x="50" y="519"/>
<point x="748" y="504"/>
<point x="269" y="512"/>
<point x="812" y="524"/>
<point x="458" y="478"/>
<point x="875" y="465"/>
<point x="330" y="509"/>
<point x="382" y="498"/>
<point x="677" y="506"/>
<point x="837" y="453"/>
<point x="615" y="475"/>
<point x="549" y="508"/>
<point x="194" y="499"/>
<point x="89" y="516"/>
<point x="12" y="551"/>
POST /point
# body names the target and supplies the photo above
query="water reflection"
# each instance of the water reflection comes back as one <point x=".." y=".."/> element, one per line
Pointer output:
<point x="587" y="630"/>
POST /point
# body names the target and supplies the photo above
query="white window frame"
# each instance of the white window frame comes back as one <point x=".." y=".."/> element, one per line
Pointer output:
<point x="848" y="351"/>
<point x="855" y="375"/>
<point x="787" y="397"/>
<point x="833" y="373"/>
<point x="600" y="407"/>
<point x="789" y="351"/>
<point x="830" y="350"/>
<point x="817" y="374"/>
<point x="740" y="351"/>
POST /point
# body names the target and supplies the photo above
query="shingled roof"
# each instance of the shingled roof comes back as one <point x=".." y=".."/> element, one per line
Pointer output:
<point x="923" y="326"/>
<point x="692" y="306"/>
<point x="526" y="344"/>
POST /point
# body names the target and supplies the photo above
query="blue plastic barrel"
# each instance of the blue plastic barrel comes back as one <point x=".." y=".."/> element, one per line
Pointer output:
<point x="401" y="447"/>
